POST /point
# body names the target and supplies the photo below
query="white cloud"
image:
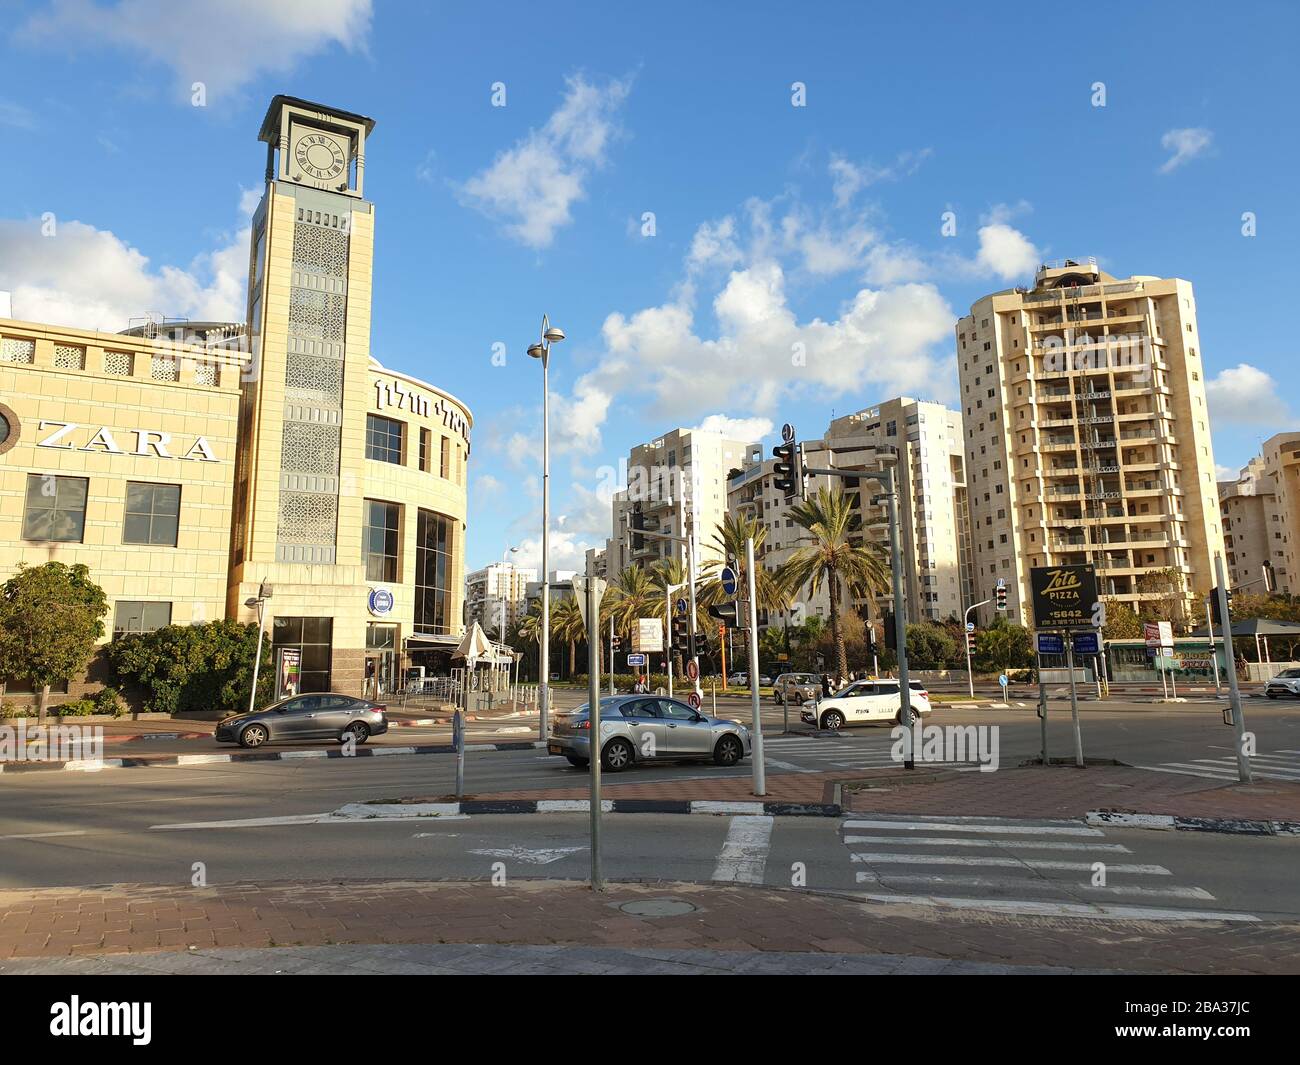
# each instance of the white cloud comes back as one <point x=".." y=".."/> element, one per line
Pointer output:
<point x="487" y="484"/>
<point x="751" y="430"/>
<point x="1246" y="395"/>
<point x="91" y="279"/>
<point x="1186" y="144"/>
<point x="1005" y="252"/>
<point x="224" y="45"/>
<point x="1225" y="473"/>
<point x="15" y="116"/>
<point x="565" y="551"/>
<point x="850" y="178"/>
<point x="532" y="187"/>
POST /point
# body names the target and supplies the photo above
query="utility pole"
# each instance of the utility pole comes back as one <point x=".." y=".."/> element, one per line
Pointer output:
<point x="1230" y="664"/>
<point x="760" y="775"/>
<point x="970" y="675"/>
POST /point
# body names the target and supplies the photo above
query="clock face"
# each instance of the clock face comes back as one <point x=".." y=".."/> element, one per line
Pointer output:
<point x="320" y="156"/>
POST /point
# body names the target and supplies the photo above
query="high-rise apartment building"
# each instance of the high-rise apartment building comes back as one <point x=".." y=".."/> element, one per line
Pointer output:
<point x="923" y="442"/>
<point x="1259" y="509"/>
<point x="495" y="593"/>
<point x="1087" y="436"/>
<point x="685" y="469"/>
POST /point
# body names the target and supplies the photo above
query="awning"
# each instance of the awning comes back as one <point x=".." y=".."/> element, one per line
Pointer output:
<point x="1258" y="627"/>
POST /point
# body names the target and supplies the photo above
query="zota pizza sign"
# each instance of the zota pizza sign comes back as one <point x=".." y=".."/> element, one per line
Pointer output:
<point x="1065" y="597"/>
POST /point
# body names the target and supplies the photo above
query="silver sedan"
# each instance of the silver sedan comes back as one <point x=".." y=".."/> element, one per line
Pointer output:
<point x="644" y="728"/>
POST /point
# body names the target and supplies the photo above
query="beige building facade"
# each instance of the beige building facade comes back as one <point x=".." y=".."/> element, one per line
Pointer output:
<point x="1087" y="434"/>
<point x="1259" y="509"/>
<point x="496" y="592"/>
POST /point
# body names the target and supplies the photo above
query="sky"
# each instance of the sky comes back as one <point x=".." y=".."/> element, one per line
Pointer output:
<point x="740" y="214"/>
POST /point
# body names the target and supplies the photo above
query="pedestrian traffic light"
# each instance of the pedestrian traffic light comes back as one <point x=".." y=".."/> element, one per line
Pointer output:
<point x="681" y="637"/>
<point x="701" y="644"/>
<point x="871" y="637"/>
<point x="785" y="472"/>
<point x="616" y="643"/>
<point x="637" y="522"/>
<point x="1000" y="596"/>
<point x="728" y="613"/>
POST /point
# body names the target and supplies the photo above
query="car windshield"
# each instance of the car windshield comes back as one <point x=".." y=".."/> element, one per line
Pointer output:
<point x="1290" y="674"/>
<point x="608" y="708"/>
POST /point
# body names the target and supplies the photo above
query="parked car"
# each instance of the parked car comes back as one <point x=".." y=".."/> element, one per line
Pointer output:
<point x="764" y="681"/>
<point x="799" y="688"/>
<point x="1285" y="683"/>
<point x="865" y="702"/>
<point x="641" y="728"/>
<point x="737" y="680"/>
<point x="317" y="716"/>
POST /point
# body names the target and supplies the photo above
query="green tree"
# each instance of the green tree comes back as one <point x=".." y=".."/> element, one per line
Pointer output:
<point x="51" y="617"/>
<point x="834" y="559"/>
<point x="183" y="668"/>
<point x="566" y="625"/>
<point x="1122" y="622"/>
<point x="1167" y="596"/>
<point x="930" y="646"/>
<point x="1003" y="646"/>
<point x="770" y="588"/>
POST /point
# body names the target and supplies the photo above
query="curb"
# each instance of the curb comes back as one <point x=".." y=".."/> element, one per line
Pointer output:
<point x="715" y="807"/>
<point x="93" y="766"/>
<point x="1170" y="822"/>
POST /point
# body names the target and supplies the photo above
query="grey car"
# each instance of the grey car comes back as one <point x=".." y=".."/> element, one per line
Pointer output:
<point x="315" y="716"/>
<point x="643" y="728"/>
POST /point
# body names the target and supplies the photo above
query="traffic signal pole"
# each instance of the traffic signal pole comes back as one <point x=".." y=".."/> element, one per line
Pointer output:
<point x="970" y="675"/>
<point x="1230" y="664"/>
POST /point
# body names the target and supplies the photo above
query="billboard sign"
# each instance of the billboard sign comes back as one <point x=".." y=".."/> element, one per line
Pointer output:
<point x="648" y="636"/>
<point x="1065" y="597"/>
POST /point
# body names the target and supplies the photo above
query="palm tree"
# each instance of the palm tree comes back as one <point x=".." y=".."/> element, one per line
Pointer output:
<point x="566" y="623"/>
<point x="633" y="596"/>
<point x="771" y="589"/>
<point x="831" y="558"/>
<point x="529" y="628"/>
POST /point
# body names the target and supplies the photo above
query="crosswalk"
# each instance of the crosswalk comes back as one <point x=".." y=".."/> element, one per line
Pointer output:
<point x="1041" y="867"/>
<point x="1280" y="765"/>
<point x="811" y="754"/>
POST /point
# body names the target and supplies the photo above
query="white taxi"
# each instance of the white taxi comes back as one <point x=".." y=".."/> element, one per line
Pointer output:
<point x="865" y="702"/>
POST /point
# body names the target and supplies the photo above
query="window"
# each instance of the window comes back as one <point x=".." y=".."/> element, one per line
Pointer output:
<point x="433" y="577"/>
<point x="444" y="466"/>
<point x="152" y="514"/>
<point x="56" y="508"/>
<point x="379" y="540"/>
<point x="312" y="638"/>
<point x="381" y="637"/>
<point x="132" y="616"/>
<point x="384" y="439"/>
<point x="424" y="450"/>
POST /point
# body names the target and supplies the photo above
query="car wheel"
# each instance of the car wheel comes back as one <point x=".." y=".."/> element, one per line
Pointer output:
<point x="797" y="698"/>
<point x="359" y="730"/>
<point x="833" y="720"/>
<point x="776" y="698"/>
<point x="728" y="751"/>
<point x="577" y="763"/>
<point x="617" y="756"/>
<point x="898" y="717"/>
<point x="253" y="736"/>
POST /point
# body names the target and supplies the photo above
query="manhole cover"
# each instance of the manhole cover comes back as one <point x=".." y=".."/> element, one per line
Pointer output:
<point x="657" y="908"/>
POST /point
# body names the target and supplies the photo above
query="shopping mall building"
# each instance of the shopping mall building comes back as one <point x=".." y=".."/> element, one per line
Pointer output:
<point x="195" y="466"/>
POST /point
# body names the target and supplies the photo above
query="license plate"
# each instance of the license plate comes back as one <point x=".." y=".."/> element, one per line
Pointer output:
<point x="554" y="748"/>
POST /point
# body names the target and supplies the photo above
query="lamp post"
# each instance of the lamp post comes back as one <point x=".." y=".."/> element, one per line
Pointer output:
<point x="258" y="601"/>
<point x="542" y="351"/>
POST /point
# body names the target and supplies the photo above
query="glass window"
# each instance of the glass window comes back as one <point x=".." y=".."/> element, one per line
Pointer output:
<point x="384" y="439"/>
<point x="56" y="508"/>
<point x="675" y="711"/>
<point x="379" y="540"/>
<point x="424" y="450"/>
<point x="133" y="616"/>
<point x="444" y="468"/>
<point x="152" y="513"/>
<point x="312" y="637"/>
<point x="381" y="637"/>
<point x="433" y="577"/>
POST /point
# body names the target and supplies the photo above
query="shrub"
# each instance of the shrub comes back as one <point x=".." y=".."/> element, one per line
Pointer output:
<point x="109" y="701"/>
<point x="76" y="708"/>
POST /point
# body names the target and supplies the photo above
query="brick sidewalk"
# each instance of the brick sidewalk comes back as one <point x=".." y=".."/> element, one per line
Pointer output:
<point x="139" y="919"/>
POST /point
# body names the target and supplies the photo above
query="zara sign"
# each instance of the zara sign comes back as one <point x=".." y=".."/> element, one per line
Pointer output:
<point x="65" y="436"/>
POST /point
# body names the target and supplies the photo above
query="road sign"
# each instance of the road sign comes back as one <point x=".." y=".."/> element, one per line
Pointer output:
<point x="1049" y="643"/>
<point x="692" y="670"/>
<point x="970" y="626"/>
<point x="787" y="432"/>
<point x="1002" y="679"/>
<point x="681" y="606"/>
<point x="1086" y="643"/>
<point x="728" y="578"/>
<point x="1065" y="597"/>
<point x="693" y="700"/>
<point x="1002" y="582"/>
<point x="648" y="636"/>
<point x="636" y="660"/>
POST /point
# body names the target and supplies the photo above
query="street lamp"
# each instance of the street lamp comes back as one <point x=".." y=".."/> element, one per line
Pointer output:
<point x="258" y="601"/>
<point x="542" y="351"/>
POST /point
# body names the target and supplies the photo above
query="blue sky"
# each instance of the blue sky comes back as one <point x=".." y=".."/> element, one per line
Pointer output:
<point x="774" y="226"/>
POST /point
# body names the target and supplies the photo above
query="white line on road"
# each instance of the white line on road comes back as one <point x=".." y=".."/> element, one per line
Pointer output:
<point x="1063" y="909"/>
<point x="744" y="852"/>
<point x="1006" y="863"/>
<point x="960" y="825"/>
<point x="1018" y="884"/>
<point x="43" y="835"/>
<point x="1036" y="845"/>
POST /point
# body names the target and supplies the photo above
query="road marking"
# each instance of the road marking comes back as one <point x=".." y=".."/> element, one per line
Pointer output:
<point x="961" y="825"/>
<point x="1063" y="909"/>
<point x="720" y="806"/>
<point x="787" y="766"/>
<point x="201" y="759"/>
<point x="1018" y="884"/>
<point x="44" y="835"/>
<point x="743" y="857"/>
<point x="572" y="806"/>
<point x="1005" y="863"/>
<point x="531" y="855"/>
<point x="259" y="822"/>
<point x="942" y="841"/>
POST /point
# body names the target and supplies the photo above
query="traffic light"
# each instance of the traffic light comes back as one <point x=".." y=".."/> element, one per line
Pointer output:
<point x="701" y="645"/>
<point x="616" y="644"/>
<point x="1270" y="578"/>
<point x="681" y="637"/>
<point x="871" y="637"/>
<point x="786" y="470"/>
<point x="970" y="643"/>
<point x="728" y="613"/>
<point x="637" y="522"/>
<point x="1214" y="606"/>
<point x="891" y="630"/>
<point x="1000" y="596"/>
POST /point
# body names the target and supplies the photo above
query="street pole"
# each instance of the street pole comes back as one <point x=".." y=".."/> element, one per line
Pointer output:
<point x="1214" y="657"/>
<point x="544" y="686"/>
<point x="905" y="716"/>
<point x="257" y="655"/>
<point x="1230" y="664"/>
<point x="760" y="776"/>
<point x="1074" y="700"/>
<point x="970" y="676"/>
<point x="668" y="635"/>
<point x="1042" y="708"/>
<point x="593" y="719"/>
<point x="611" y="654"/>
